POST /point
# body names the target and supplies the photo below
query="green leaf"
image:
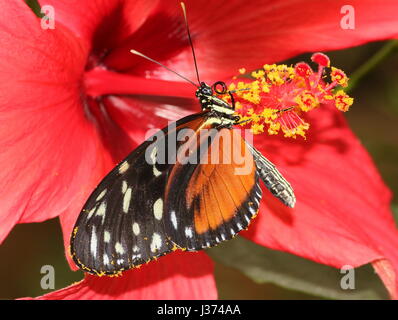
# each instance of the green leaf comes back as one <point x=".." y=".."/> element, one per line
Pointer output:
<point x="389" y="48"/>
<point x="394" y="208"/>
<point x="264" y="265"/>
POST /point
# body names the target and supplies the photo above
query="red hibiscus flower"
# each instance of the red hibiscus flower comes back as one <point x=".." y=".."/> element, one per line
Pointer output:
<point x="74" y="101"/>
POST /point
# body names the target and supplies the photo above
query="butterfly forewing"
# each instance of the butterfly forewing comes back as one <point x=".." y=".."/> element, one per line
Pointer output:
<point x="213" y="201"/>
<point x="122" y="223"/>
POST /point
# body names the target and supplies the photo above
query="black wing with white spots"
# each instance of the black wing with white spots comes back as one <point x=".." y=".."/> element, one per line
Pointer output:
<point x="122" y="223"/>
<point x="148" y="206"/>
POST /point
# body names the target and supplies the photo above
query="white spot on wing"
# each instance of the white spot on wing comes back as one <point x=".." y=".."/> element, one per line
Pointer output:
<point x="207" y="245"/>
<point x="153" y="155"/>
<point x="105" y="259"/>
<point x="136" y="249"/>
<point x="156" y="172"/>
<point x="91" y="212"/>
<point x="101" y="195"/>
<point x="173" y="219"/>
<point x="126" y="200"/>
<point x="257" y="201"/>
<point x="188" y="232"/>
<point x="156" y="243"/>
<point x="93" y="243"/>
<point x="124" y="186"/>
<point x="107" y="236"/>
<point x="101" y="211"/>
<point x="136" y="228"/>
<point x="158" y="209"/>
<point x="119" y="248"/>
<point x="252" y="210"/>
<point x="124" y="167"/>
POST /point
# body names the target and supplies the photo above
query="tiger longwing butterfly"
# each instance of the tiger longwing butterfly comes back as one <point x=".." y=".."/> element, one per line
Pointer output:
<point x="148" y="206"/>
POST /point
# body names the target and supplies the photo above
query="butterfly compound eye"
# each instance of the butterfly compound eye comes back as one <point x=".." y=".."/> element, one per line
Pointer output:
<point x="220" y="87"/>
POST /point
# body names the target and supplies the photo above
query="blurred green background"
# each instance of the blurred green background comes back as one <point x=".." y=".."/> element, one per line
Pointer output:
<point x="266" y="274"/>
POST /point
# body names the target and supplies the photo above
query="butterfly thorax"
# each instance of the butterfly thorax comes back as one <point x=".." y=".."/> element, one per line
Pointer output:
<point x="218" y="108"/>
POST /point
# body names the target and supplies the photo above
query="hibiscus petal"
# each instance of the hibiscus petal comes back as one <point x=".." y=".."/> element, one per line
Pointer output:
<point x="226" y="37"/>
<point x="176" y="276"/>
<point x="240" y="34"/>
<point x="47" y="166"/>
<point x="237" y="34"/>
<point x="91" y="20"/>
<point x="342" y="215"/>
<point x="143" y="117"/>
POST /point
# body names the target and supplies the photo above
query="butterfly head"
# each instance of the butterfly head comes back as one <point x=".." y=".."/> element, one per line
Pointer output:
<point x="204" y="90"/>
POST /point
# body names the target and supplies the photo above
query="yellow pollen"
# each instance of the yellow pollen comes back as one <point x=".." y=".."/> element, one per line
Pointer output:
<point x="257" y="128"/>
<point x="339" y="77"/>
<point x="299" y="130"/>
<point x="265" y="88"/>
<point x="275" y="77"/>
<point x="274" y="100"/>
<point x="343" y="101"/>
<point x="258" y="74"/>
<point x="274" y="128"/>
<point x="269" y="114"/>
<point x="306" y="101"/>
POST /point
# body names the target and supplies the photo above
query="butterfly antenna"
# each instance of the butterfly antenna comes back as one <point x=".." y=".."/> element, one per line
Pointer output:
<point x="162" y="65"/>
<point x="190" y="39"/>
